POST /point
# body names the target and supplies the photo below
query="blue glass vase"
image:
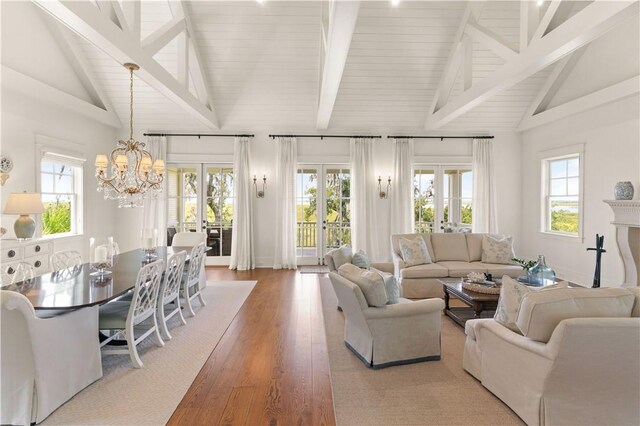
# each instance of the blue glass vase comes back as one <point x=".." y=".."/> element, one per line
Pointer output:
<point x="541" y="275"/>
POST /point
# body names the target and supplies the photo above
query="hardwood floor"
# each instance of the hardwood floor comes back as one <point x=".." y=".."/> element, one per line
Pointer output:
<point x="271" y="366"/>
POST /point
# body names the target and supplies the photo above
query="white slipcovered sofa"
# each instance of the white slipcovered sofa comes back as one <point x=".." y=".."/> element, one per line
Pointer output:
<point x="402" y="333"/>
<point x="577" y="362"/>
<point x="453" y="255"/>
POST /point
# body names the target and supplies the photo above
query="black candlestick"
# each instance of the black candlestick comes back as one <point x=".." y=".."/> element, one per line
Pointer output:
<point x="599" y="250"/>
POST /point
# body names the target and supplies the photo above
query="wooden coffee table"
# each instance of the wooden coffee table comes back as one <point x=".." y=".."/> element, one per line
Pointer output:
<point x="480" y="305"/>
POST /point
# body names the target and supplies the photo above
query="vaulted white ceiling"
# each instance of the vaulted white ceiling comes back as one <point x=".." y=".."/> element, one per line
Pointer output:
<point x="263" y="63"/>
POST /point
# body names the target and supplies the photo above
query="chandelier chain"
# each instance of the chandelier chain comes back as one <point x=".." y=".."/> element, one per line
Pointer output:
<point x="130" y="103"/>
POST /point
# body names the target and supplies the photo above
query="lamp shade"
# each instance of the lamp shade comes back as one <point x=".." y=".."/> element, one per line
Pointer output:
<point x="24" y="203"/>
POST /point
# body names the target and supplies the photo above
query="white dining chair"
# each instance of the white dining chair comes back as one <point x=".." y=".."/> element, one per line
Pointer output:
<point x="44" y="362"/>
<point x="66" y="259"/>
<point x="191" y="281"/>
<point x="169" y="296"/>
<point x="188" y="239"/>
<point x="21" y="273"/>
<point x="122" y="316"/>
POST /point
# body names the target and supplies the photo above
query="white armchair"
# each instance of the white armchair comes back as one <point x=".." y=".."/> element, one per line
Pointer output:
<point x="45" y="362"/>
<point x="396" y="334"/>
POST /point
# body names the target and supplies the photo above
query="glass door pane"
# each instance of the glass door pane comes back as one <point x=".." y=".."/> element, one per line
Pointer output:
<point x="182" y="198"/>
<point x="457" y="196"/>
<point x="307" y="213"/>
<point x="424" y="195"/>
<point x="337" y="218"/>
<point x="218" y="209"/>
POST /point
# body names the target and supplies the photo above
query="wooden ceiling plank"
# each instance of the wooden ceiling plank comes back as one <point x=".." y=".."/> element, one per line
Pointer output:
<point x="590" y="23"/>
<point x="342" y="22"/>
<point x="86" y="20"/>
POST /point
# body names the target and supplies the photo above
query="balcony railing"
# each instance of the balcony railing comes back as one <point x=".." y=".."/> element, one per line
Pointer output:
<point x="337" y="234"/>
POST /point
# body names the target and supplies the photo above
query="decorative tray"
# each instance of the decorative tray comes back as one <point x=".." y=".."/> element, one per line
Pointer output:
<point x="486" y="287"/>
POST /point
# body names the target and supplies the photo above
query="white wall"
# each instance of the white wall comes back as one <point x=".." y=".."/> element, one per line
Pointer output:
<point x="336" y="151"/>
<point x="612" y="153"/>
<point x="22" y="119"/>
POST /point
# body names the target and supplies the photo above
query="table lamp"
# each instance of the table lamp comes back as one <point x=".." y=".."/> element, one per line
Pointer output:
<point x="24" y="204"/>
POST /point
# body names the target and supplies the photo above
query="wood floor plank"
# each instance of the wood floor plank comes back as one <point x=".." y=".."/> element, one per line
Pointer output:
<point x="271" y="365"/>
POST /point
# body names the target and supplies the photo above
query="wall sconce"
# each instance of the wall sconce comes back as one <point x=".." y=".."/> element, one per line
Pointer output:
<point x="260" y="192"/>
<point x="381" y="193"/>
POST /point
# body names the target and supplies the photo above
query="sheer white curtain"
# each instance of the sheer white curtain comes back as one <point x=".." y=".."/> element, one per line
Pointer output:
<point x="154" y="214"/>
<point x="401" y="196"/>
<point x="364" y="187"/>
<point x="285" y="219"/>
<point x="485" y="217"/>
<point x="242" y="248"/>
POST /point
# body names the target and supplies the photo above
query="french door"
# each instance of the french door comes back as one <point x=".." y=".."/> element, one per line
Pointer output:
<point x="443" y="198"/>
<point x="200" y="198"/>
<point x="323" y="211"/>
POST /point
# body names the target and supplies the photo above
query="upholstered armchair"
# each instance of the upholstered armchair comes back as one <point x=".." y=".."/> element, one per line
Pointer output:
<point x="401" y="333"/>
<point x="45" y="362"/>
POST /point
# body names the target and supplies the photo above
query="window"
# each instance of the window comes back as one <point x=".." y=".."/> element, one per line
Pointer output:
<point x="562" y="187"/>
<point x="61" y="191"/>
<point x="443" y="196"/>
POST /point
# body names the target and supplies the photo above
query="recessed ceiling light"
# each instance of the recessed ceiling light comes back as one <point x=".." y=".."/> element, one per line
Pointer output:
<point x="540" y="2"/>
<point x="395" y="2"/>
<point x="260" y="1"/>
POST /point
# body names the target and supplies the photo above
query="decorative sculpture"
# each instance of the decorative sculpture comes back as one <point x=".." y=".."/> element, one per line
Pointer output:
<point x="599" y="250"/>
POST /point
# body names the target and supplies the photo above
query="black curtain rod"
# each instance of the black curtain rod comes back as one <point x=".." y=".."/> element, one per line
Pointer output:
<point x="199" y="135"/>
<point x="325" y="136"/>
<point x="439" y="137"/>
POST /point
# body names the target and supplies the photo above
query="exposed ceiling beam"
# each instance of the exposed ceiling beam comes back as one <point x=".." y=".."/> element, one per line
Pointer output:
<point x="198" y="72"/>
<point x="86" y="20"/>
<point x="604" y="96"/>
<point x="490" y="40"/>
<point x="546" y="20"/>
<point x="587" y="25"/>
<point x="342" y="22"/>
<point x="74" y="54"/>
<point x="529" y="18"/>
<point x="556" y="79"/>
<point x="455" y="59"/>
<point x="15" y="80"/>
<point x="163" y="35"/>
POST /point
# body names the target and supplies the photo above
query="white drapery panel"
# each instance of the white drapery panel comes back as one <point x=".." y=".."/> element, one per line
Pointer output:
<point x="401" y="196"/>
<point x="242" y="247"/>
<point x="284" y="256"/>
<point x="364" y="187"/>
<point x="155" y="207"/>
<point x="485" y="212"/>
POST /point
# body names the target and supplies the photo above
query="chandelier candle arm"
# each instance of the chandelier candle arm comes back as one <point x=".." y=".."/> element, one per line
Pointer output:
<point x="129" y="174"/>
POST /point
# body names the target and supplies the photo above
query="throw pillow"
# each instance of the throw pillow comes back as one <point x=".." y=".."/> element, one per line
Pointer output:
<point x="414" y="251"/>
<point x="497" y="249"/>
<point x="511" y="295"/>
<point x="361" y="260"/>
<point x="391" y="286"/>
<point x="371" y="284"/>
<point x="342" y="255"/>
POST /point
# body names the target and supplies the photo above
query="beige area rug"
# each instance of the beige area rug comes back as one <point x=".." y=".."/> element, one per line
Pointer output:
<point x="427" y="393"/>
<point x="148" y="396"/>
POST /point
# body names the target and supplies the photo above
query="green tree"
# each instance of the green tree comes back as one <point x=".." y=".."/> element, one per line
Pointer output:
<point x="218" y="191"/>
<point x="56" y="218"/>
<point x="564" y="221"/>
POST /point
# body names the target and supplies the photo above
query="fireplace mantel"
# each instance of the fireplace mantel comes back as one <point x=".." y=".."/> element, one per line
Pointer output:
<point x="626" y="218"/>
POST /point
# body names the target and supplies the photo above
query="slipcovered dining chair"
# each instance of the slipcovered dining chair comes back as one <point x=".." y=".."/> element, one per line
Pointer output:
<point x="191" y="281"/>
<point x="67" y="259"/>
<point x="122" y="316"/>
<point x="188" y="239"/>
<point x="44" y="362"/>
<point x="169" y="296"/>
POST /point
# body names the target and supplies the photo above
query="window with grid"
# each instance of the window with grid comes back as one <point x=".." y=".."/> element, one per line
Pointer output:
<point x="562" y="209"/>
<point x="61" y="192"/>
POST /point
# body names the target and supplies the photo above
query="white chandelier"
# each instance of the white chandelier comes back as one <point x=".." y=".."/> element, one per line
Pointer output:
<point x="134" y="174"/>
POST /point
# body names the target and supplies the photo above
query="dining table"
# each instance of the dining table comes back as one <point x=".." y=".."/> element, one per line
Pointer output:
<point x="76" y="287"/>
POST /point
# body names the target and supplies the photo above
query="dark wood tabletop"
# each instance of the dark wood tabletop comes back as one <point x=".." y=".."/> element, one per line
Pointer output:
<point x="76" y="288"/>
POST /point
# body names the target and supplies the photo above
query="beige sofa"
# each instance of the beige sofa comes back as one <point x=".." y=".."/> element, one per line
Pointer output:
<point x="586" y="372"/>
<point x="402" y="333"/>
<point x="453" y="255"/>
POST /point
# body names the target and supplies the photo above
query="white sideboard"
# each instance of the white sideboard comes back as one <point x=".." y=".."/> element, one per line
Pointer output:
<point x="35" y="252"/>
